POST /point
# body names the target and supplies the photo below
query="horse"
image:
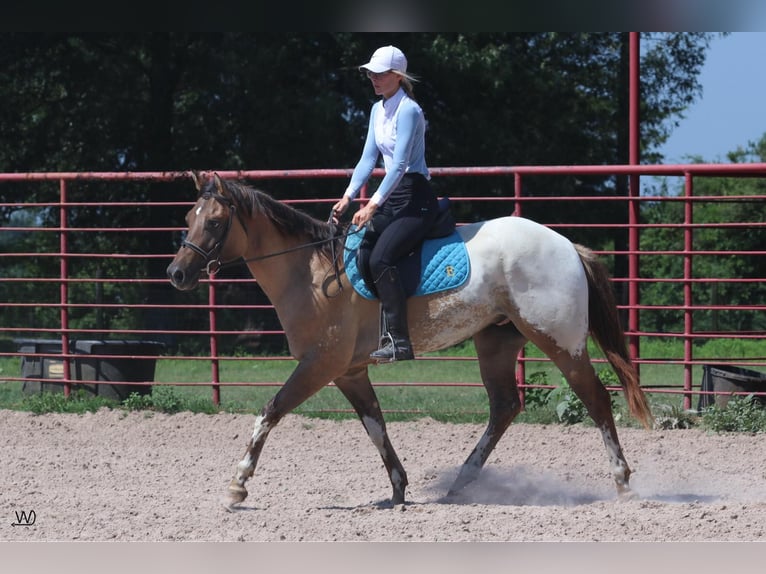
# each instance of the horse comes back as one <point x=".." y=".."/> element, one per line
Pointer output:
<point x="527" y="282"/>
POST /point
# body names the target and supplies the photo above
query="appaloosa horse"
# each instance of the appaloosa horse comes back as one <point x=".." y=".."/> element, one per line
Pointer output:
<point x="526" y="283"/>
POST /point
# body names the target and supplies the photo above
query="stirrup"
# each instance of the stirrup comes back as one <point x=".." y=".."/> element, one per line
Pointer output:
<point x="385" y="352"/>
<point x="389" y="352"/>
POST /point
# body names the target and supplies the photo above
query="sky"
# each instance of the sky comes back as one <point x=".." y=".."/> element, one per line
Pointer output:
<point x="732" y="109"/>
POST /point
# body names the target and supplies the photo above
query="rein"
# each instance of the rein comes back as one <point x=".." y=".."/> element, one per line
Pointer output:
<point x="290" y="250"/>
<point x="214" y="264"/>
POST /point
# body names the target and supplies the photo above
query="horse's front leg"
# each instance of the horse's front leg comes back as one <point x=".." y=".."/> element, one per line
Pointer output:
<point x="306" y="380"/>
<point x="356" y="387"/>
<point x="246" y="467"/>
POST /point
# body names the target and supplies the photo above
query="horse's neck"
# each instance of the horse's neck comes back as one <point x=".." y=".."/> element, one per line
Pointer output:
<point x="282" y="265"/>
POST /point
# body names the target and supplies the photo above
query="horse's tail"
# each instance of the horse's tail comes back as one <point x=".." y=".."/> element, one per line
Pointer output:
<point x="605" y="328"/>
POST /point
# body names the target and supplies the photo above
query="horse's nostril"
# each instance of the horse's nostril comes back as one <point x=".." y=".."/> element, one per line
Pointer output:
<point x="176" y="275"/>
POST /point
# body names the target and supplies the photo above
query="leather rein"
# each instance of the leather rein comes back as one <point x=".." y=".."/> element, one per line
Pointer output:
<point x="213" y="263"/>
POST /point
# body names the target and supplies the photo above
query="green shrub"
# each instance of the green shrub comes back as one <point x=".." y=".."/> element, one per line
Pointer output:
<point x="569" y="408"/>
<point x="165" y="399"/>
<point x="741" y="414"/>
<point x="536" y="397"/>
<point x="138" y="402"/>
<point x="609" y="377"/>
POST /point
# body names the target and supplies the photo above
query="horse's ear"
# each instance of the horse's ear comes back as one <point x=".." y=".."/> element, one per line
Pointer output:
<point x="196" y="179"/>
<point x="218" y="184"/>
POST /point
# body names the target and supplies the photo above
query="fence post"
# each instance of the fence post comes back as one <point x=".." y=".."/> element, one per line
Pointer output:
<point x="634" y="193"/>
<point x="64" y="287"/>
<point x="214" y="361"/>
<point x="688" y="295"/>
<point x="521" y="371"/>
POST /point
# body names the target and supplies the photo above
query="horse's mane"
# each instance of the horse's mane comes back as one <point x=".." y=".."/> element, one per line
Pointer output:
<point x="287" y="219"/>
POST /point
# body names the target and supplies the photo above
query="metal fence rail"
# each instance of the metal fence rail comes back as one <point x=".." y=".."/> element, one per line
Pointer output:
<point x="71" y="268"/>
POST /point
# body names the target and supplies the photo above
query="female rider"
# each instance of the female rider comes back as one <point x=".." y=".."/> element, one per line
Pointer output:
<point x="403" y="208"/>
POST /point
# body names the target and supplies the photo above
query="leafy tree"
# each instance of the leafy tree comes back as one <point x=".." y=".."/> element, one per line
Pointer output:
<point x="736" y="237"/>
<point x="170" y="101"/>
<point x="167" y="101"/>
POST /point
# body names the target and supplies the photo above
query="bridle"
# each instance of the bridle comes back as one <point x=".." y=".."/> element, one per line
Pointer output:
<point x="213" y="263"/>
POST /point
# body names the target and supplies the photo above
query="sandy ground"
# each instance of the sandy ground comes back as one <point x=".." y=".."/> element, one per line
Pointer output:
<point x="141" y="476"/>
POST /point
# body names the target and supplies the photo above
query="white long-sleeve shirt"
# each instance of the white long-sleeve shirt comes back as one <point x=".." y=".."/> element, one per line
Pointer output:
<point x="397" y="132"/>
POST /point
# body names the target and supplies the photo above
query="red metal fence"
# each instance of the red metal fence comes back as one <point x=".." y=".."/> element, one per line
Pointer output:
<point x="72" y="254"/>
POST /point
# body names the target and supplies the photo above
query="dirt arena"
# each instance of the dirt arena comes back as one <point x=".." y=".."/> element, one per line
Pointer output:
<point x="118" y="476"/>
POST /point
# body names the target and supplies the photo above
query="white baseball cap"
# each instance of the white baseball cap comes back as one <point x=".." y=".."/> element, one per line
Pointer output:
<point x="385" y="59"/>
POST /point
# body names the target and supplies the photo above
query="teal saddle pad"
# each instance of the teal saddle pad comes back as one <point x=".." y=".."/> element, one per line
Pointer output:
<point x="438" y="265"/>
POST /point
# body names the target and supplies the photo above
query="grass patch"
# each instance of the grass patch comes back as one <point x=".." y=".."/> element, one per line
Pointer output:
<point x="78" y="402"/>
<point x="450" y="391"/>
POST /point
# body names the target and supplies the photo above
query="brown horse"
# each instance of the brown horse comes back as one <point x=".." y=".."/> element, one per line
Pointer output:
<point x="526" y="283"/>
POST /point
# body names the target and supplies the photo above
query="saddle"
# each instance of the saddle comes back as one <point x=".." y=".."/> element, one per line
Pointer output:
<point x="439" y="263"/>
<point x="445" y="221"/>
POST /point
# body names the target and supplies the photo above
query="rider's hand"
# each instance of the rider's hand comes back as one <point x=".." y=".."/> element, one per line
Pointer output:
<point x="364" y="215"/>
<point x="340" y="208"/>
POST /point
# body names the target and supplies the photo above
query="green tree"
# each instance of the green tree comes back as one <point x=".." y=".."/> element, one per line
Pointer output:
<point x="734" y="235"/>
<point x="171" y="101"/>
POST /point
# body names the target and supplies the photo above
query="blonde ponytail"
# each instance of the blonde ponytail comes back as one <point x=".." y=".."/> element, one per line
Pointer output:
<point x="406" y="83"/>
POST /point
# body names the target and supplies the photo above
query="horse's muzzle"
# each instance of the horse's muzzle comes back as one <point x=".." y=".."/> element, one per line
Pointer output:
<point x="181" y="278"/>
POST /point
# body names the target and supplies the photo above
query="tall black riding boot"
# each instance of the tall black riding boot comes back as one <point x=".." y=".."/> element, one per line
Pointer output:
<point x="395" y="344"/>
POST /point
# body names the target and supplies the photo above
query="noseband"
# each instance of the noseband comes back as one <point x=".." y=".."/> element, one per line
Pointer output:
<point x="212" y="260"/>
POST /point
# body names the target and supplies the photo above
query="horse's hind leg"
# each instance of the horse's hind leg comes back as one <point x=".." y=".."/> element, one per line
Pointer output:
<point x="497" y="348"/>
<point x="356" y="387"/>
<point x="582" y="378"/>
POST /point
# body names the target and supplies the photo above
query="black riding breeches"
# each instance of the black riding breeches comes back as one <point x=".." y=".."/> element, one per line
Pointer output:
<point x="398" y="226"/>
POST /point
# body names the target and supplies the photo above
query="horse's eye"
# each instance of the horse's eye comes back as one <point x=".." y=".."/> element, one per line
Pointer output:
<point x="212" y="224"/>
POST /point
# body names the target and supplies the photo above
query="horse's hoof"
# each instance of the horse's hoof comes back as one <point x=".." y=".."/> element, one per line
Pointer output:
<point x="626" y="495"/>
<point x="236" y="494"/>
<point x="451" y="497"/>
